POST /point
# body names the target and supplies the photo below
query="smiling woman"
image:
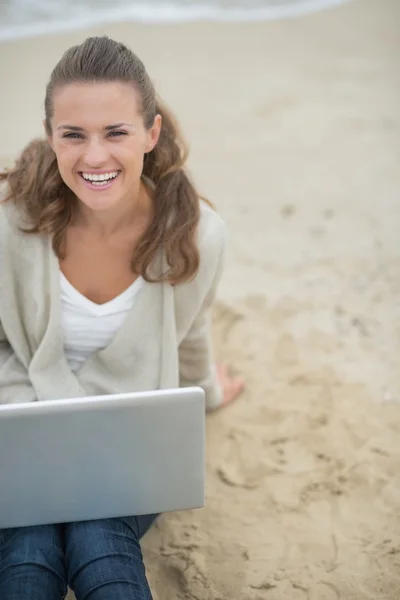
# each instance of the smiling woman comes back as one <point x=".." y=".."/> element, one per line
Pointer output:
<point x="96" y="152"/>
<point x="101" y="222"/>
<point x="96" y="87"/>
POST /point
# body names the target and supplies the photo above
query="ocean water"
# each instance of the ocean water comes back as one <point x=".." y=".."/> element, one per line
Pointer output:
<point x="26" y="18"/>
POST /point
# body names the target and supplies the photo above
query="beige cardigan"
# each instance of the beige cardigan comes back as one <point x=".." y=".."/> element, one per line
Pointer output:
<point x="164" y="343"/>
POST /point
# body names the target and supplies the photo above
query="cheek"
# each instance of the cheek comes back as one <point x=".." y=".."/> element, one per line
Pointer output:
<point x="66" y="159"/>
<point x="133" y="153"/>
<point x="65" y="168"/>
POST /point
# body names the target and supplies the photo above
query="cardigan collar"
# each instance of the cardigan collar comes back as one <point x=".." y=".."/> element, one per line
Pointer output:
<point x="144" y="337"/>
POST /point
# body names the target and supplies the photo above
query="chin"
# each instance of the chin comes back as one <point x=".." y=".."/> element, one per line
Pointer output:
<point x="100" y="203"/>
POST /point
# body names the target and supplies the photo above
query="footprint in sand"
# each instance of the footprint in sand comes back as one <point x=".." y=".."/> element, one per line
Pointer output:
<point x="194" y="574"/>
<point x="239" y="468"/>
<point x="325" y="590"/>
<point x="167" y="582"/>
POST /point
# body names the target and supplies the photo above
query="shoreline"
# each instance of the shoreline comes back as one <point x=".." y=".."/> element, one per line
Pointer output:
<point x="167" y="15"/>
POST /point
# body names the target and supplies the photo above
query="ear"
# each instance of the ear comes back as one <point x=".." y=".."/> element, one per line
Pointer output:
<point x="49" y="137"/>
<point x="153" y="134"/>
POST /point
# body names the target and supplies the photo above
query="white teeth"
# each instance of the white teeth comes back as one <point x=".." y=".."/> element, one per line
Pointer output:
<point x="103" y="177"/>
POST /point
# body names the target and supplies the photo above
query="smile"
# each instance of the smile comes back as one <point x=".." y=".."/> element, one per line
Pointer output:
<point x="100" y="181"/>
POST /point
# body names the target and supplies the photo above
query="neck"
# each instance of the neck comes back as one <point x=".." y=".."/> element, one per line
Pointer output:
<point x="135" y="210"/>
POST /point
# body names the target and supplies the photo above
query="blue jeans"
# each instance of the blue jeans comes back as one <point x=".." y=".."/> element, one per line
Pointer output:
<point x="98" y="560"/>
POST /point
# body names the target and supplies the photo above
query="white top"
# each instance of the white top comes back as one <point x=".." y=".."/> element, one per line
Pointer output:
<point x="89" y="327"/>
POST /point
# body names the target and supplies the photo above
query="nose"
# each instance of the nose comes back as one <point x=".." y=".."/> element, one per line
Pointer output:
<point x="96" y="153"/>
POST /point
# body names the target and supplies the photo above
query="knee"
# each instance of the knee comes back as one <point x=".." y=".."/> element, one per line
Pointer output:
<point x="89" y="541"/>
<point x="32" y="550"/>
<point x="41" y="544"/>
<point x="102" y="553"/>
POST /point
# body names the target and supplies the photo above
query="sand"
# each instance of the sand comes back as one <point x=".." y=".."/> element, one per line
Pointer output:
<point x="294" y="128"/>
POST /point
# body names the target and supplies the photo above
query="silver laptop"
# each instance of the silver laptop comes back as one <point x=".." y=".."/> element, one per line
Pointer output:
<point x="101" y="457"/>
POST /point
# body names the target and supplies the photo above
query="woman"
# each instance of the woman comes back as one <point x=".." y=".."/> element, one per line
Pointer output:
<point x="110" y="263"/>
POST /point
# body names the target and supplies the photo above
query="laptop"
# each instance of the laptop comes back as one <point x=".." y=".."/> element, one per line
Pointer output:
<point x="101" y="457"/>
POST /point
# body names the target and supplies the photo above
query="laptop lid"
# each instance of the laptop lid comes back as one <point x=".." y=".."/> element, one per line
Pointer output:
<point x="102" y="457"/>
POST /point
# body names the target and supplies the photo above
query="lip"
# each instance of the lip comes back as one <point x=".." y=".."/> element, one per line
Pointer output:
<point x="98" y="188"/>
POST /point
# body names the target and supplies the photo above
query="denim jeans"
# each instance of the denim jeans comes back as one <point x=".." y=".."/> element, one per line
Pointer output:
<point x="98" y="560"/>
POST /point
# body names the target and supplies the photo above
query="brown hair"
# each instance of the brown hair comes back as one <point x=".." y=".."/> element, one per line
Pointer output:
<point x="36" y="187"/>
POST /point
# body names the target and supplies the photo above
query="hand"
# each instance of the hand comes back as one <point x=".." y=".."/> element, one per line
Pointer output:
<point x="231" y="386"/>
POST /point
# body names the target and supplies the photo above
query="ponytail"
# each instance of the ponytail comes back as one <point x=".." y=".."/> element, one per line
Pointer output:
<point x="176" y="203"/>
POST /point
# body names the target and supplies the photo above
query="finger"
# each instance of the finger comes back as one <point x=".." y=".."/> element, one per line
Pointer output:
<point x="233" y="390"/>
<point x="237" y="382"/>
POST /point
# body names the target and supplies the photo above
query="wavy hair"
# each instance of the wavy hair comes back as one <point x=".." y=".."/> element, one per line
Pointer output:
<point x="35" y="185"/>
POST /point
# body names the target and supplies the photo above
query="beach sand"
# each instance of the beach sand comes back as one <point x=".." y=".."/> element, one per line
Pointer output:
<point x="294" y="128"/>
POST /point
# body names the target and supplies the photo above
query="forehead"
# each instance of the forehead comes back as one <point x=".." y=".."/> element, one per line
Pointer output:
<point x="86" y="104"/>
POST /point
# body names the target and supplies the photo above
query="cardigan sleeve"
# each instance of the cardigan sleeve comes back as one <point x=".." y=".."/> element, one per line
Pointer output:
<point x="196" y="361"/>
<point x="18" y="387"/>
<point x="5" y="348"/>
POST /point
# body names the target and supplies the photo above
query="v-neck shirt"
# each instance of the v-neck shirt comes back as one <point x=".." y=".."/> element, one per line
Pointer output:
<point x="89" y="327"/>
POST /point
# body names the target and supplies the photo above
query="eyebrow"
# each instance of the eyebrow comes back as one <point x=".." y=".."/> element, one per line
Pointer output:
<point x="107" y="128"/>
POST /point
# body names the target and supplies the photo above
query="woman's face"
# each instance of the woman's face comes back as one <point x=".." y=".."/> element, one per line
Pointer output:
<point x="99" y="138"/>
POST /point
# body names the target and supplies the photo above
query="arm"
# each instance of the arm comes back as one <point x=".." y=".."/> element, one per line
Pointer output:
<point x="14" y="380"/>
<point x="196" y="364"/>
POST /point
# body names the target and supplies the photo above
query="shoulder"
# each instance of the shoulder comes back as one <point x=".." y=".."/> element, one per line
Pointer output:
<point x="11" y="217"/>
<point x="17" y="247"/>
<point x="12" y="222"/>
<point x="8" y="221"/>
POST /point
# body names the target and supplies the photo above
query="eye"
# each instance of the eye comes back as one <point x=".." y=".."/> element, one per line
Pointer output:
<point x="117" y="133"/>
<point x="72" y="136"/>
